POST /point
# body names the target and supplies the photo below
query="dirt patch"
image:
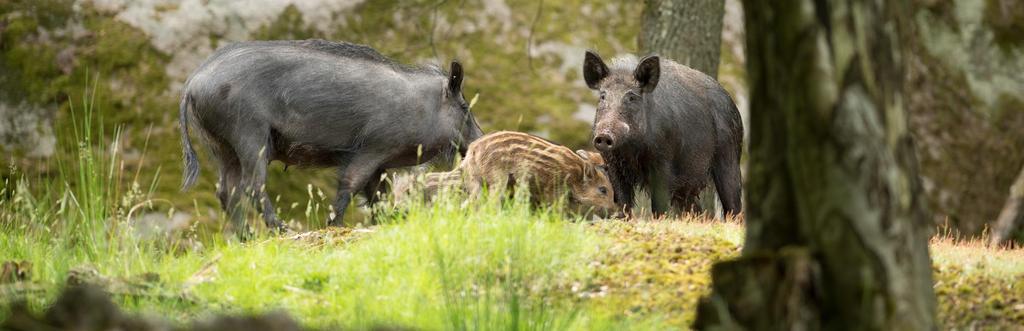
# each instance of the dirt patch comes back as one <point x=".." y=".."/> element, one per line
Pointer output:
<point x="330" y="236"/>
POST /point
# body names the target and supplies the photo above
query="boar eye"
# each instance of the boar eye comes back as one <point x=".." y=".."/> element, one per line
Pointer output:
<point x="601" y="96"/>
<point x="632" y="97"/>
<point x="603" y="190"/>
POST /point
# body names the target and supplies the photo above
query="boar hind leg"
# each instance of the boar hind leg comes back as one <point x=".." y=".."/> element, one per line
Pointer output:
<point x="726" y="173"/>
<point x="375" y="188"/>
<point x="352" y="177"/>
<point x="253" y="157"/>
<point x="229" y="187"/>
<point x="687" y="199"/>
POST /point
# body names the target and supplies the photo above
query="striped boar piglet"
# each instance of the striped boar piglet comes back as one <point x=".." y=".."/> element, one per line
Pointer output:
<point x="502" y="160"/>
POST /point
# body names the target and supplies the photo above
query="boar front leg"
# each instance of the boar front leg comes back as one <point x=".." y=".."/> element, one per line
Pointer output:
<point x="253" y="159"/>
<point x="659" y="191"/>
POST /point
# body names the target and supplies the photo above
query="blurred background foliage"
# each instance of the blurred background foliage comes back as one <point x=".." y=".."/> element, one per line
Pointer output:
<point x="522" y="56"/>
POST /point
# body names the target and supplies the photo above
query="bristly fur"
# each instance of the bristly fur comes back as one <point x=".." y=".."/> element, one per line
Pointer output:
<point x="624" y="64"/>
<point x="343" y="49"/>
<point x="626" y="172"/>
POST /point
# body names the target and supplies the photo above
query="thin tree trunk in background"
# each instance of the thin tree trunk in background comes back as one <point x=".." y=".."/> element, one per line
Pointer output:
<point x="837" y="233"/>
<point x="1012" y="217"/>
<point x="688" y="32"/>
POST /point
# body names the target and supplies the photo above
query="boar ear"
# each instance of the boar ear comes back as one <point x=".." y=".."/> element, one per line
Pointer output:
<point x="648" y="72"/>
<point x="589" y="168"/>
<point x="593" y="157"/>
<point x="455" y="78"/>
<point x="594" y="69"/>
<point x="586" y="164"/>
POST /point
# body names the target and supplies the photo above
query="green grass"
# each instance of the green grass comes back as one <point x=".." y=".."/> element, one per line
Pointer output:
<point x="447" y="266"/>
<point x="439" y="268"/>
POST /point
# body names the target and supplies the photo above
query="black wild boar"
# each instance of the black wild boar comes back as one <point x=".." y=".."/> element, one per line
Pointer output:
<point x="664" y="127"/>
<point x="316" y="103"/>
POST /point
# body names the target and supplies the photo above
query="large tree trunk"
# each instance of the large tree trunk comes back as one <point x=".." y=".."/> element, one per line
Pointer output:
<point x="1011" y="219"/>
<point x="689" y="32"/>
<point x="837" y="234"/>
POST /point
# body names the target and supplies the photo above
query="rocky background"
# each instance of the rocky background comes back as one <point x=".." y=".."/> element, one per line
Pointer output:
<point x="523" y="57"/>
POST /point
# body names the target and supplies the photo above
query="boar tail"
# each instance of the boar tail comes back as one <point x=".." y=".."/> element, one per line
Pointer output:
<point x="191" y="169"/>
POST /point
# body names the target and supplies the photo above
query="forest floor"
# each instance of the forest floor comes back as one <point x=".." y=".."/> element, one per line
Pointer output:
<point x="452" y="267"/>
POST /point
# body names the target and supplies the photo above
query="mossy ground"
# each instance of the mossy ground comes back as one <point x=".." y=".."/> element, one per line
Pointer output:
<point x="979" y="288"/>
<point x="659" y="268"/>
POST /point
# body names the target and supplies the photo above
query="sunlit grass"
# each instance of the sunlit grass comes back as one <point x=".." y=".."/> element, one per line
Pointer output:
<point x="976" y="255"/>
<point x="442" y="267"/>
<point x="79" y="216"/>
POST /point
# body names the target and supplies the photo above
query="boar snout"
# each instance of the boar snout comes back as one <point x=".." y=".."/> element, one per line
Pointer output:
<point x="609" y="135"/>
<point x="603" y="142"/>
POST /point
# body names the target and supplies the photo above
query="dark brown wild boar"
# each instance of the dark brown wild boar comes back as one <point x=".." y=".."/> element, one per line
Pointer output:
<point x="666" y="129"/>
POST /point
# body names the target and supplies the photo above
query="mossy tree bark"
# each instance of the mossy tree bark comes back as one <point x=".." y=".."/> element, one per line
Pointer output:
<point x="688" y="32"/>
<point x="1011" y="218"/>
<point x="837" y="232"/>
